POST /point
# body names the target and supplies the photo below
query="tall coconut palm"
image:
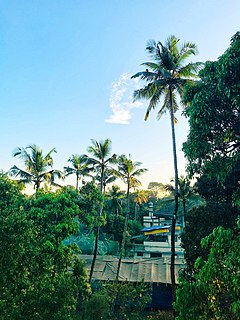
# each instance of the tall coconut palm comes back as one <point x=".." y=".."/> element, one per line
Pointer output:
<point x="79" y="167"/>
<point x="115" y="196"/>
<point x="100" y="158"/>
<point x="166" y="77"/>
<point x="36" y="166"/>
<point x="185" y="191"/>
<point x="129" y="172"/>
<point x="108" y="178"/>
<point x="140" y="198"/>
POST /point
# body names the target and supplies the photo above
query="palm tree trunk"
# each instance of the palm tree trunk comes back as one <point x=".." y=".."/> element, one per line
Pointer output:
<point x="136" y="211"/>
<point x="124" y="235"/>
<point x="94" y="253"/>
<point x="77" y="181"/>
<point x="184" y="213"/>
<point x="97" y="231"/>
<point x="172" y="270"/>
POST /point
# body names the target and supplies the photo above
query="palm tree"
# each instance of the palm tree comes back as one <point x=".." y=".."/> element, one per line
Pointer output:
<point x="115" y="200"/>
<point x="166" y="78"/>
<point x="37" y="166"/>
<point x="129" y="172"/>
<point x="100" y="159"/>
<point x="79" y="168"/>
<point x="185" y="191"/>
<point x="108" y="178"/>
<point x="140" y="198"/>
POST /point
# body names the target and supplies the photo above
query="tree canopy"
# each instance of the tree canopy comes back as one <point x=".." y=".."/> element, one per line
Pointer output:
<point x="213" y="143"/>
<point x="41" y="277"/>
<point x="38" y="167"/>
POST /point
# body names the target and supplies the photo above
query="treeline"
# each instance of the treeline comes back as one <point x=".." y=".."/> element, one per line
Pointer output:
<point x="209" y="287"/>
<point x="41" y="274"/>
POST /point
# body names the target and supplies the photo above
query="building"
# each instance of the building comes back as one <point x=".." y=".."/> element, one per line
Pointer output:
<point x="157" y="235"/>
<point x="154" y="271"/>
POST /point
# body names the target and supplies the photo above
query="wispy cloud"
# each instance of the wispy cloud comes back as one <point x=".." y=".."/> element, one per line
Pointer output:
<point x="121" y="100"/>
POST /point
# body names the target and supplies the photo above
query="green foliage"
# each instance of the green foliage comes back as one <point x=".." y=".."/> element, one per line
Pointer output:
<point x="16" y="237"/>
<point x="41" y="278"/>
<point x="114" y="200"/>
<point x="134" y="227"/>
<point x="157" y="190"/>
<point x="100" y="158"/>
<point x="90" y="200"/>
<point x="200" y="222"/>
<point x="213" y="293"/>
<point x="129" y="172"/>
<point x="209" y="288"/>
<point x="129" y="298"/>
<point x="118" y="301"/>
<point x="167" y="75"/>
<point x="78" y="168"/>
<point x="114" y="226"/>
<point x="213" y="142"/>
<point x="38" y="167"/>
<point x="98" y="306"/>
<point x="210" y="188"/>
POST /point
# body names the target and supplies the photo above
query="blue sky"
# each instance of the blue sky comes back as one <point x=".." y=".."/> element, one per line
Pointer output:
<point x="65" y="68"/>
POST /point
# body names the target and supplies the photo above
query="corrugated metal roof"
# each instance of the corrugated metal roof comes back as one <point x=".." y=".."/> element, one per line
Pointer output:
<point x="152" y="270"/>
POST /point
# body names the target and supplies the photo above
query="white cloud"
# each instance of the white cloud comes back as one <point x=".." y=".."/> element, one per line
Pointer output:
<point x="121" y="99"/>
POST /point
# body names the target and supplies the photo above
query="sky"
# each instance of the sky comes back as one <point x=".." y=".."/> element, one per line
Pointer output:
<point x="66" y="67"/>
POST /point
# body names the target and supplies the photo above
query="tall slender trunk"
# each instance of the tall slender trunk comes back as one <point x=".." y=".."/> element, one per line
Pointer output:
<point x="124" y="234"/>
<point x="136" y="211"/>
<point x="172" y="268"/>
<point x="98" y="229"/>
<point x="77" y="181"/>
<point x="94" y="253"/>
<point x="184" y="213"/>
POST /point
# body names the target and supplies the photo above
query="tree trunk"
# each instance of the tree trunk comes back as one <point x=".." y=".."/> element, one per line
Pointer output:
<point x="172" y="271"/>
<point x="136" y="211"/>
<point x="124" y="235"/>
<point x="77" y="182"/>
<point x="184" y="213"/>
<point x="98" y="230"/>
<point x="94" y="254"/>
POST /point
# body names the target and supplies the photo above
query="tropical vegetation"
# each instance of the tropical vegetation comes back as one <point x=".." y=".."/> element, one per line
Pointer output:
<point x="166" y="77"/>
<point x="43" y="235"/>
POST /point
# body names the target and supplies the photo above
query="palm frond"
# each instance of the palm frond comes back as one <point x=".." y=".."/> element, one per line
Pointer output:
<point x="153" y="103"/>
<point x="145" y="75"/>
<point x="139" y="172"/>
<point x="19" y="173"/>
<point x="190" y="70"/>
<point x="162" y="110"/>
<point x="145" y="93"/>
<point x="186" y="50"/>
<point x="152" y="48"/>
<point x="68" y="171"/>
<point x="152" y="65"/>
<point x="167" y="73"/>
<point x="24" y="155"/>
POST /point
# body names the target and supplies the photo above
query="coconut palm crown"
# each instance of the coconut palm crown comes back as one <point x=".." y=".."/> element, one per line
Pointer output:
<point x="100" y="158"/>
<point x="78" y="167"/>
<point x="129" y="172"/>
<point x="166" y="77"/>
<point x="37" y="166"/>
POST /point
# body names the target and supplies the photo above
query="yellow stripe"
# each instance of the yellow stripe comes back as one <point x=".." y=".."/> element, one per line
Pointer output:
<point x="156" y="231"/>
